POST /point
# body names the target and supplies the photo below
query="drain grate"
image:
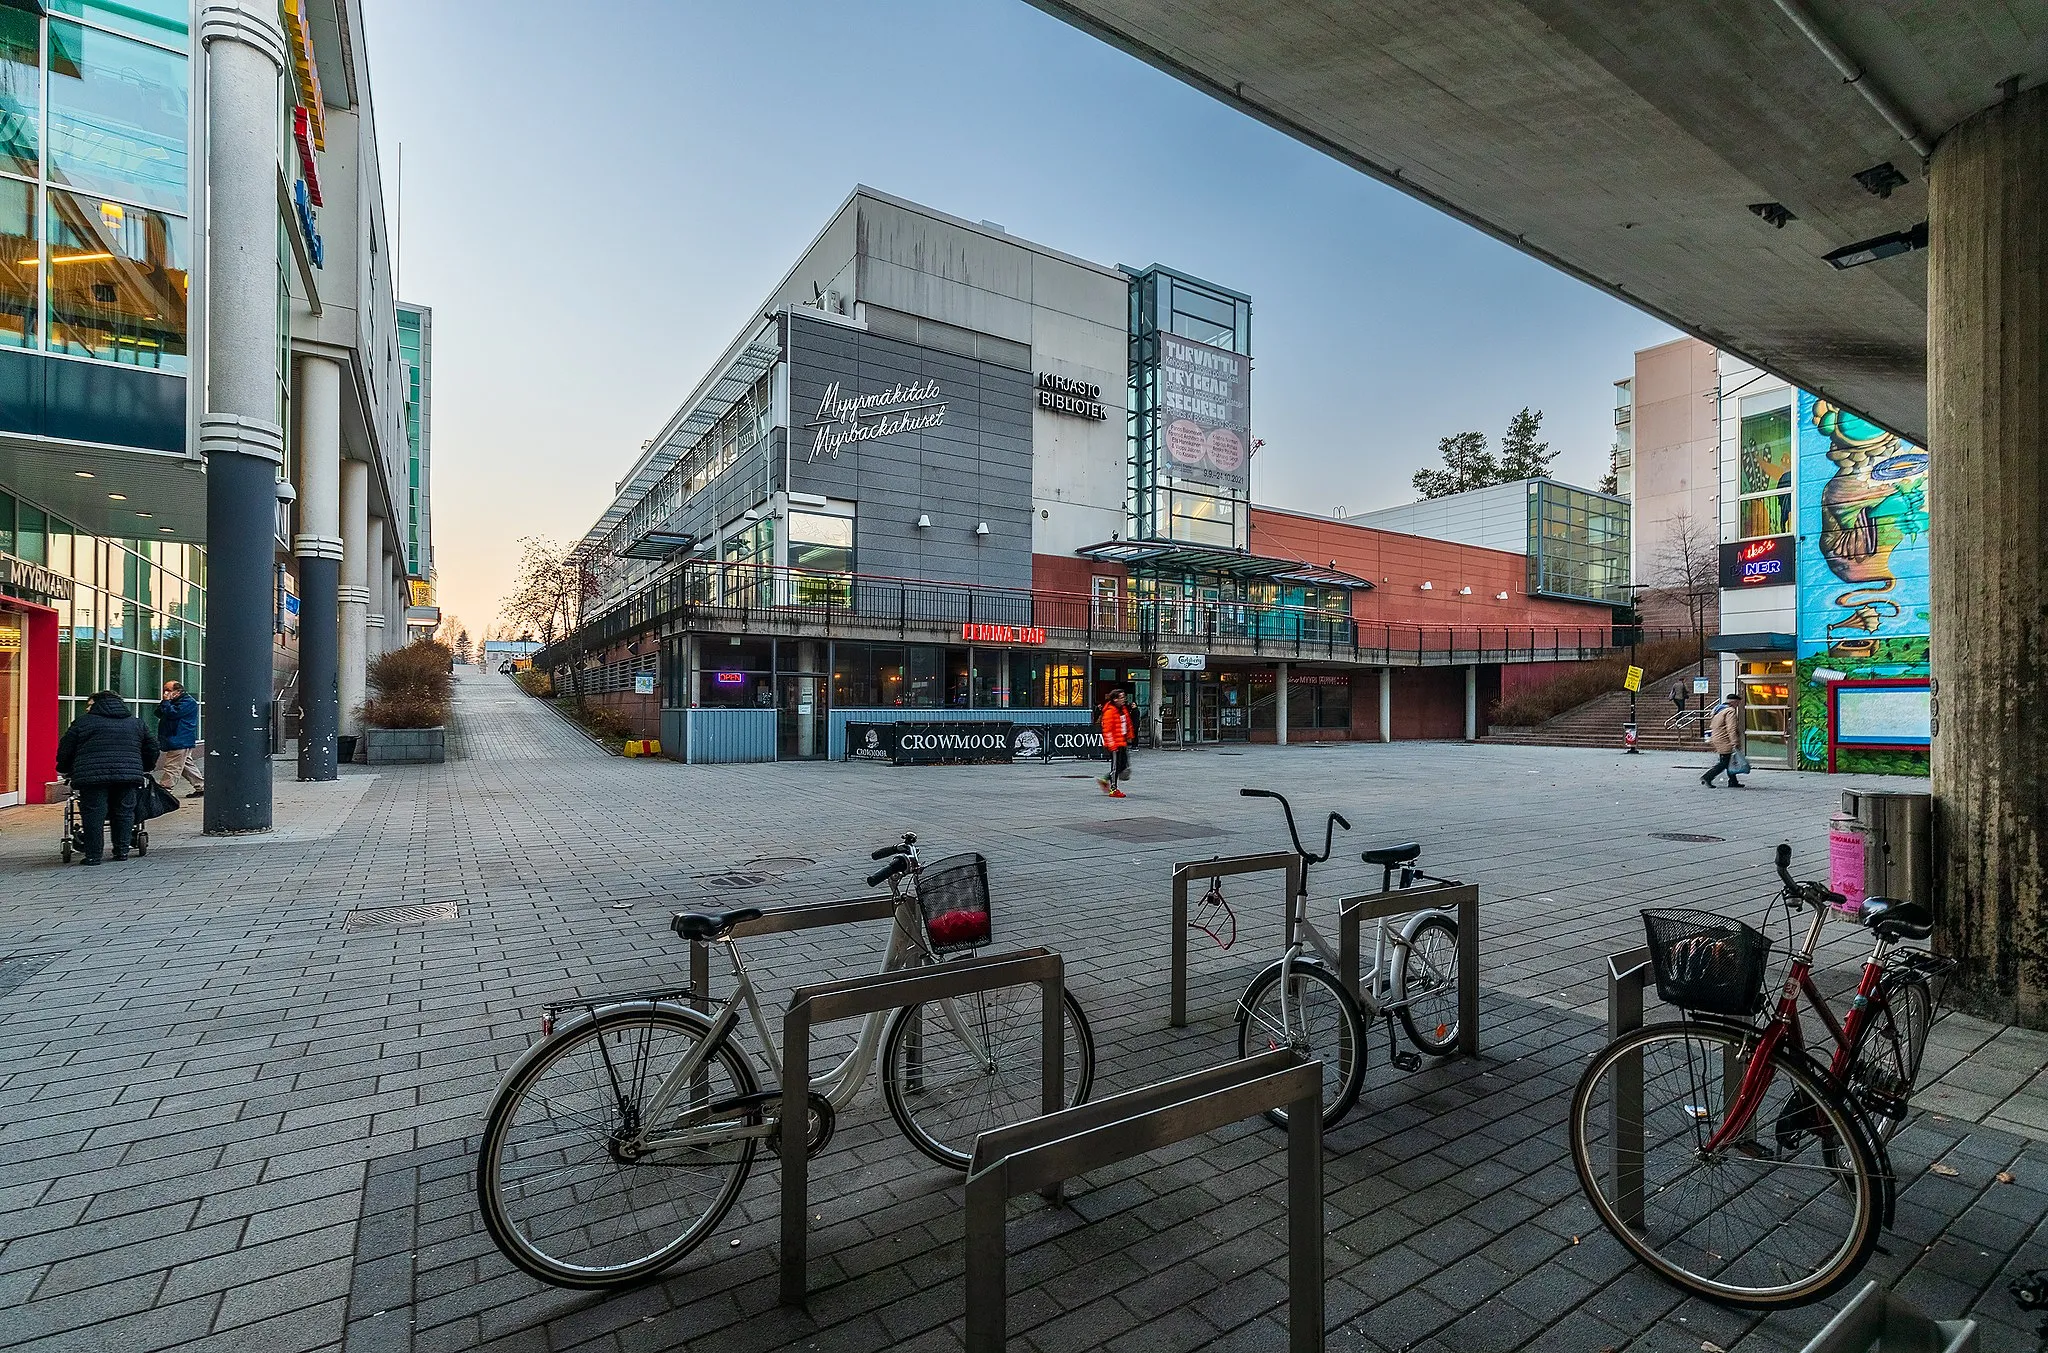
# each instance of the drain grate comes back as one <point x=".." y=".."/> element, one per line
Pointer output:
<point x="16" y="969"/>
<point x="778" y="864"/>
<point x="737" y="879"/>
<point x="371" y="918"/>
<point x="1693" y="837"/>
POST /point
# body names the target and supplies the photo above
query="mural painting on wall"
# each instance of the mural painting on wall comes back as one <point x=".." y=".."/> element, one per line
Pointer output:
<point x="1863" y="570"/>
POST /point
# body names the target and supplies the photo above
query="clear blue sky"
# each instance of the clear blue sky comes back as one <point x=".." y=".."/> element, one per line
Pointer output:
<point x="597" y="196"/>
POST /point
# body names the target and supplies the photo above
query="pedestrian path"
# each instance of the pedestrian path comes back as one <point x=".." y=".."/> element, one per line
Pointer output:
<point x="236" y="1105"/>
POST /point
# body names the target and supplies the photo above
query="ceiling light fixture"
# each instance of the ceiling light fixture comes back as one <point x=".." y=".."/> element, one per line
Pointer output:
<point x="118" y="497"/>
<point x="1882" y="246"/>
<point x="165" y="529"/>
<point x="1773" y="214"/>
<point x="145" y="514"/>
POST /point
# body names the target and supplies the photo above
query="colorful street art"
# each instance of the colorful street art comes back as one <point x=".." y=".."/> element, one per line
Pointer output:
<point x="1863" y="569"/>
<point x="1862" y="538"/>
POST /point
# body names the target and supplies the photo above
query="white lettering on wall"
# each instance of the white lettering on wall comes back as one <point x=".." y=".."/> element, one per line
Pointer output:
<point x="844" y="420"/>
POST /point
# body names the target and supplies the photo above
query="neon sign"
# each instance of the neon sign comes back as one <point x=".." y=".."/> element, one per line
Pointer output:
<point x="1758" y="563"/>
<point x="1003" y="634"/>
<point x="729" y="679"/>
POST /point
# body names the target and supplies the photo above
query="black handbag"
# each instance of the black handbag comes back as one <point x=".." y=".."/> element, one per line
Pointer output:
<point x="153" y="800"/>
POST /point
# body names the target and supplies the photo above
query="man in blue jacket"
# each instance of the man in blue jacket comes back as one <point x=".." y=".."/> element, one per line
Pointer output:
<point x="177" y="730"/>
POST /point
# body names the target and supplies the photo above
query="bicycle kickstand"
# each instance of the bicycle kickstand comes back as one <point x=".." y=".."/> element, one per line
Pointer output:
<point x="1407" y="1059"/>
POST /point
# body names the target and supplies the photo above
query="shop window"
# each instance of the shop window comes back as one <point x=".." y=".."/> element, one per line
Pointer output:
<point x="991" y="679"/>
<point x="118" y="111"/>
<point x="117" y="282"/>
<point x="924" y="689"/>
<point x="1764" y="474"/>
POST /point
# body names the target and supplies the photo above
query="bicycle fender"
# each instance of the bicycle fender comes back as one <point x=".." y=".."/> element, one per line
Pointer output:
<point x="570" y="1022"/>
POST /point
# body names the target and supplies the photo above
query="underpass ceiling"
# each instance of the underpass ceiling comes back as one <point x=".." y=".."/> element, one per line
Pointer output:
<point x="1624" y="141"/>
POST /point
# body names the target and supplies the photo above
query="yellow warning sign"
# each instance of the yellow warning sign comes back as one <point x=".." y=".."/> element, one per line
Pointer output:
<point x="1634" y="680"/>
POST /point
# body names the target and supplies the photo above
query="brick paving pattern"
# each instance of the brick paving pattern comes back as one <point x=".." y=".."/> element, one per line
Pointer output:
<point x="228" y="1124"/>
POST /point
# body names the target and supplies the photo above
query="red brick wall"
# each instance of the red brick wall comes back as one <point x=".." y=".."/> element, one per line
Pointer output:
<point x="1429" y="702"/>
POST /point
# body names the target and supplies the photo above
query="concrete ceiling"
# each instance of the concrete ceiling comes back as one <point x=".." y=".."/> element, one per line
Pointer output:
<point x="77" y="482"/>
<point x="1624" y="141"/>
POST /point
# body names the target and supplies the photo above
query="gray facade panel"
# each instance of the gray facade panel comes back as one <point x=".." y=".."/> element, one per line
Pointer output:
<point x="974" y="467"/>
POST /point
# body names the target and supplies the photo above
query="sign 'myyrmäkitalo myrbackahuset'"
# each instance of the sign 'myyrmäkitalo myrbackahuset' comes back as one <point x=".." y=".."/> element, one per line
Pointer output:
<point x="844" y="420"/>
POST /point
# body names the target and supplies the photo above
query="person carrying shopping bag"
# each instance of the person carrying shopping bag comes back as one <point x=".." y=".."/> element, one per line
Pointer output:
<point x="106" y="753"/>
<point x="1727" y="738"/>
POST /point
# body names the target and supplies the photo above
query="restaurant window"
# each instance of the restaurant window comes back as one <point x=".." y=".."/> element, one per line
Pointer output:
<point x="924" y="689"/>
<point x="1764" y="474"/>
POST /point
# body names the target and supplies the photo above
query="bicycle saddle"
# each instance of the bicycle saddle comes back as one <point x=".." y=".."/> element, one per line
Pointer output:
<point x="710" y="925"/>
<point x="1385" y="855"/>
<point x="1896" y="920"/>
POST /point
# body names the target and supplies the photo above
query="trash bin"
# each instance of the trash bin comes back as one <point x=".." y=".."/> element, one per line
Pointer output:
<point x="1899" y="861"/>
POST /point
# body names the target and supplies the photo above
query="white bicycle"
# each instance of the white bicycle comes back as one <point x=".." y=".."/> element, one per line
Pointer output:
<point x="620" y="1140"/>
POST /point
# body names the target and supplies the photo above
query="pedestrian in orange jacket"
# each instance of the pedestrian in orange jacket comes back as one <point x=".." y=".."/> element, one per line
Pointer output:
<point x="1116" y="741"/>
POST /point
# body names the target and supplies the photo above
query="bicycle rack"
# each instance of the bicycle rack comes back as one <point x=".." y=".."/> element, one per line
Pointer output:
<point x="857" y="996"/>
<point x="1353" y="912"/>
<point x="1043" y="1151"/>
<point x="1627" y="974"/>
<point x="1878" y="1319"/>
<point x="1225" y="866"/>
<point x="782" y="921"/>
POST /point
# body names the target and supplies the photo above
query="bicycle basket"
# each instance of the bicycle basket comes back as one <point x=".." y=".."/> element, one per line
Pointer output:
<point x="953" y="895"/>
<point x="1708" y="963"/>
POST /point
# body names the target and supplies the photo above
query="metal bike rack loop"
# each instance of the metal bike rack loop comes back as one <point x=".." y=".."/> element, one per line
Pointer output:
<point x="1879" y="1319"/>
<point x="1627" y="974"/>
<point x="857" y="996"/>
<point x="1463" y="898"/>
<point x="782" y="921"/>
<point x="1285" y="861"/>
<point x="1043" y="1151"/>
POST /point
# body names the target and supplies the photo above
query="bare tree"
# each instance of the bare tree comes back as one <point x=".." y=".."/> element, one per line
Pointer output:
<point x="551" y="591"/>
<point x="1688" y="570"/>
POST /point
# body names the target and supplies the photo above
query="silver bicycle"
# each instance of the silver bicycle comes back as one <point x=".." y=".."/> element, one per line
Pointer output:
<point x="620" y="1140"/>
<point x="1302" y="1002"/>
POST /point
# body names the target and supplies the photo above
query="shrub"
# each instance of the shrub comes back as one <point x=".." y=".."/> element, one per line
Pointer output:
<point x="410" y="687"/>
<point x="1658" y="658"/>
<point x="602" y="720"/>
<point x="534" y="683"/>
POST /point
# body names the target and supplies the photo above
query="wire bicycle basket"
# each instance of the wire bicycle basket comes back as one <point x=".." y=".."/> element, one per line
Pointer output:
<point x="1709" y="964"/>
<point x="952" y="895"/>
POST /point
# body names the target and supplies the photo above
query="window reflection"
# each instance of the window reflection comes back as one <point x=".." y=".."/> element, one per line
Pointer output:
<point x="118" y="112"/>
<point x="19" y="264"/>
<point x="118" y="282"/>
<point x="21" y="89"/>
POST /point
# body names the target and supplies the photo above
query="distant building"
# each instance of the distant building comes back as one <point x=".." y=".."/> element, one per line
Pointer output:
<point x="1575" y="541"/>
<point x="1671" y="426"/>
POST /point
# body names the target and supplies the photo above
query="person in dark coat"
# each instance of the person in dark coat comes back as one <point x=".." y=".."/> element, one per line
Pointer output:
<point x="106" y="753"/>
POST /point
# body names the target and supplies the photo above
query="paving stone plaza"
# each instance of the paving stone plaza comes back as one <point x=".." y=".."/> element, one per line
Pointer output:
<point x="234" y="1116"/>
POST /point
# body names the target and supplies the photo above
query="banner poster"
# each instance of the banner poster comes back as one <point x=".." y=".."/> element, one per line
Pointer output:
<point x="1205" y="413"/>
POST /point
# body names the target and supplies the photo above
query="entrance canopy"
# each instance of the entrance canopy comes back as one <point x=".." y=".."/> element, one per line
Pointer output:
<point x="1172" y="556"/>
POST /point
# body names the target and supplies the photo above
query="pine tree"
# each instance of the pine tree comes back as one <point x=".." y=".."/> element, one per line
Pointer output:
<point x="1521" y="455"/>
<point x="1467" y="465"/>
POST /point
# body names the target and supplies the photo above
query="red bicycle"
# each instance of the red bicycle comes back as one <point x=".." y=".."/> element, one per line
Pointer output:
<point x="1728" y="1156"/>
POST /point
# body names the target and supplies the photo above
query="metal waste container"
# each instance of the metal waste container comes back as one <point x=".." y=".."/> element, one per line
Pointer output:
<point x="1900" y="859"/>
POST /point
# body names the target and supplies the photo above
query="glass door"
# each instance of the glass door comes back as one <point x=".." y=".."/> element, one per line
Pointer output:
<point x="13" y="676"/>
<point x="1209" y="726"/>
<point x="1767" y="711"/>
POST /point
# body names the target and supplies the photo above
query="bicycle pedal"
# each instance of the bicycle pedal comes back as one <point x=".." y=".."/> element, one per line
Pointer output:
<point x="1408" y="1061"/>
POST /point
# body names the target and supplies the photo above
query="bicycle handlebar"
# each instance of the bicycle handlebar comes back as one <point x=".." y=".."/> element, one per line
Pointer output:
<point x="887" y="871"/>
<point x="1813" y="893"/>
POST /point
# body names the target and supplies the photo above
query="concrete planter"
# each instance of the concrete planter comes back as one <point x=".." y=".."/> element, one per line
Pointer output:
<point x="405" y="746"/>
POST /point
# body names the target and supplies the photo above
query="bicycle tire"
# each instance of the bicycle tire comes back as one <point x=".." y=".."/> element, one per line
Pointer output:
<point x="1886" y="1063"/>
<point x="953" y="1098"/>
<point x="601" y="1058"/>
<point x="1434" y="1027"/>
<point x="1697" y="1212"/>
<point x="1333" y="1032"/>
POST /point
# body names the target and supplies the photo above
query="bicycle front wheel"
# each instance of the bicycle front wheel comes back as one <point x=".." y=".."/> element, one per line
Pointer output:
<point x="576" y="1187"/>
<point x="1321" y="1021"/>
<point x="1784" y="1214"/>
<point x="953" y="1069"/>
<point x="1426" y="982"/>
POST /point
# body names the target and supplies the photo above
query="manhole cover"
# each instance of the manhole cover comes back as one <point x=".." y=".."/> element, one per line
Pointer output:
<point x="371" y="918"/>
<point x="778" y="864"/>
<point x="736" y="879"/>
<point x="1684" y="836"/>
<point x="18" y="968"/>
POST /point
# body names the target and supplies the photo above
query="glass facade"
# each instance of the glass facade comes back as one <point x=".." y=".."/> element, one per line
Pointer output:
<point x="95" y="194"/>
<point x="1764" y="472"/>
<point x="137" y="616"/>
<point x="1162" y="505"/>
<point x="414" y="357"/>
<point x="1578" y="544"/>
<point x="931" y="676"/>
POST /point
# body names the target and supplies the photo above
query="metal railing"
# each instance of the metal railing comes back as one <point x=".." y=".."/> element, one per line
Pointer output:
<point x="857" y="996"/>
<point x="1284" y="861"/>
<point x="1043" y="1152"/>
<point x="763" y="598"/>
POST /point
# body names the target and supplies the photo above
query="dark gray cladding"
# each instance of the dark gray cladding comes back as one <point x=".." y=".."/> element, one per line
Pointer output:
<point x="973" y="466"/>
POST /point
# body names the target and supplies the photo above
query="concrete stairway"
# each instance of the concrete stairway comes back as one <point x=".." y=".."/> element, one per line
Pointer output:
<point x="1598" y="722"/>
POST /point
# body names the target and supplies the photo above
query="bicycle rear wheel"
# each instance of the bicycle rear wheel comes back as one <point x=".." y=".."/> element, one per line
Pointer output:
<point x="1782" y="1216"/>
<point x="1322" y="1022"/>
<point x="1426" y="980"/>
<point x="563" y="1189"/>
<point x="1887" y="1061"/>
<point x="944" y="1091"/>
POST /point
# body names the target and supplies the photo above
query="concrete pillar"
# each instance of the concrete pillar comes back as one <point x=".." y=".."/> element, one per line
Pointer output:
<point x="1386" y="704"/>
<point x="1471" y="704"/>
<point x="238" y="434"/>
<point x="318" y="547"/>
<point x="375" y="641"/>
<point x="353" y="594"/>
<point x="1987" y="398"/>
<point x="1280" y="703"/>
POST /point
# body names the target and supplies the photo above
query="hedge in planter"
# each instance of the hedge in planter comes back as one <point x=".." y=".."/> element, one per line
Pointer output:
<point x="406" y="717"/>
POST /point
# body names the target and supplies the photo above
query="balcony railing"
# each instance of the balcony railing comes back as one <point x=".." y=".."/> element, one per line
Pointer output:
<point x="755" y="598"/>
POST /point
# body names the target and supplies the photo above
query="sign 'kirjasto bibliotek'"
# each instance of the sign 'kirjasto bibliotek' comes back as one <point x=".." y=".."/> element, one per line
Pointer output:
<point x="845" y="420"/>
<point x="1063" y="394"/>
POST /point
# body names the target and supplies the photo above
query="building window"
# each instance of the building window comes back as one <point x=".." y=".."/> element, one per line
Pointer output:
<point x="118" y="113"/>
<point x="20" y="264"/>
<point x="21" y="90"/>
<point x="819" y="543"/>
<point x="1764" y="473"/>
<point x="117" y="282"/>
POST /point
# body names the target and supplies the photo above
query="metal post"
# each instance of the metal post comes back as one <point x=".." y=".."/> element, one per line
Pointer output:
<point x="1305" y="1225"/>
<point x="1387" y="702"/>
<point x="1179" y="1017"/>
<point x="1286" y="863"/>
<point x="796" y="1197"/>
<point x="1280" y="701"/>
<point x="1625" y="976"/>
<point x="1463" y="898"/>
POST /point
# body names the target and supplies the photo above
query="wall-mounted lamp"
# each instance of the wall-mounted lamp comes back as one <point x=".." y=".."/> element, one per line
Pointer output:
<point x="1465" y="591"/>
<point x="981" y="528"/>
<point x="1427" y="587"/>
<point x="751" y="514"/>
<point x="924" y="520"/>
<point x="1500" y="596"/>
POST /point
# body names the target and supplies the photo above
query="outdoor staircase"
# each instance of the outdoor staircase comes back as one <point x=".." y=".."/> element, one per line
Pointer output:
<point x="1598" y="722"/>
